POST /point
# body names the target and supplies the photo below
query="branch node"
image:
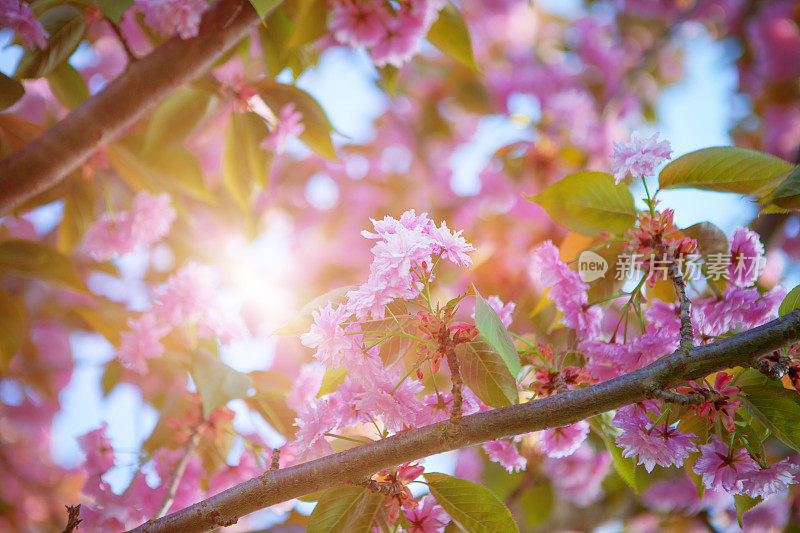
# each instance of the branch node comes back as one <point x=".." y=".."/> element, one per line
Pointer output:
<point x="388" y="488"/>
<point x="685" y="399"/>
<point x="774" y="366"/>
<point x="276" y="460"/>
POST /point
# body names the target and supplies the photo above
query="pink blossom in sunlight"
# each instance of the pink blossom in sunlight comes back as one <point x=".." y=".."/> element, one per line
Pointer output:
<point x="141" y="342"/>
<point x="313" y="424"/>
<point x="722" y="468"/>
<point x="747" y="258"/>
<point x="222" y="322"/>
<point x="402" y="257"/>
<point x="289" y="125"/>
<point x="560" y="442"/>
<point x="739" y="307"/>
<point x="453" y="246"/>
<point x="401" y="40"/>
<point x="505" y="453"/>
<point x="328" y="336"/>
<point x="168" y="17"/>
<point x="654" y="445"/>
<point x="428" y="517"/>
<point x="640" y="156"/>
<point x="775" y="478"/>
<point x="119" y="233"/>
<point x="18" y="17"/>
<point x="305" y="387"/>
<point x="186" y="295"/>
<point x="358" y="23"/>
<point x="98" y="449"/>
<point x="151" y="217"/>
<point x="567" y="291"/>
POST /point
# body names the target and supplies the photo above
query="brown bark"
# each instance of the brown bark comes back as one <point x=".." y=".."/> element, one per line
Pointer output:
<point x="46" y="160"/>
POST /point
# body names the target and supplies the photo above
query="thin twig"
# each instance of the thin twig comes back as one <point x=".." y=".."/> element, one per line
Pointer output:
<point x="455" y="378"/>
<point x="177" y="472"/>
<point x="123" y="41"/>
<point x="687" y="332"/>
<point x="73" y="511"/>
<point x="388" y="488"/>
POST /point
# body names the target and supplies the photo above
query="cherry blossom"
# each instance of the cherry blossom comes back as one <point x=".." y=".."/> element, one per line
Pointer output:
<point x="639" y="157"/>
<point x="173" y="16"/>
<point x="722" y="467"/>
<point x="505" y="453"/>
<point x="428" y="517"/>
<point x="561" y="442"/>
<point x="775" y="478"/>
<point x="142" y="342"/>
<point x="660" y="444"/>
<point x="747" y="256"/>
<point x="18" y="17"/>
<point x="289" y="125"/>
<point x="98" y="449"/>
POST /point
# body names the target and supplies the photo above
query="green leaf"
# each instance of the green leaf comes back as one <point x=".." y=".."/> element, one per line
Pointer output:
<point x="77" y="218"/>
<point x="331" y="380"/>
<point x="388" y="79"/>
<point x="264" y="7"/>
<point x="777" y="408"/>
<point x="305" y="317"/>
<point x="66" y="25"/>
<point x="492" y="329"/>
<point x="790" y="302"/>
<point x="317" y="128"/>
<point x="787" y="194"/>
<point x="346" y="509"/>
<point x="724" y="169"/>
<point x="244" y="163"/>
<point x="273" y="36"/>
<point x="33" y="260"/>
<point x="450" y="35"/>
<point x="216" y="382"/>
<point x="589" y="203"/>
<point x="744" y="503"/>
<point x="472" y="507"/>
<point x="176" y="117"/>
<point x="710" y="239"/>
<point x="625" y="466"/>
<point x="10" y="91"/>
<point x="114" y="9"/>
<point x="309" y="17"/>
<point x="486" y="374"/>
<point x="175" y="170"/>
<point x="537" y="505"/>
<point x="68" y="86"/>
<point x="13" y="329"/>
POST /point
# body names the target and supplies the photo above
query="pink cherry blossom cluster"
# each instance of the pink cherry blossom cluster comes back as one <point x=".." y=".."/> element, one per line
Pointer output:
<point x="122" y="232"/>
<point x="189" y="298"/>
<point x="567" y="291"/>
<point x="402" y="258"/>
<point x="18" y="17"/>
<point x="168" y="17"/>
<point x="391" y="32"/>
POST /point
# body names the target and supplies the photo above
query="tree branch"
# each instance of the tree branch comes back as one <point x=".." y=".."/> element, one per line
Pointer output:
<point x="178" y="471"/>
<point x="357" y="464"/>
<point x="46" y="160"/>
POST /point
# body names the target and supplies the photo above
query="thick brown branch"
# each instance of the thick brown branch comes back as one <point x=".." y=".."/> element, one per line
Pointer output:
<point x="360" y="463"/>
<point x="47" y="159"/>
